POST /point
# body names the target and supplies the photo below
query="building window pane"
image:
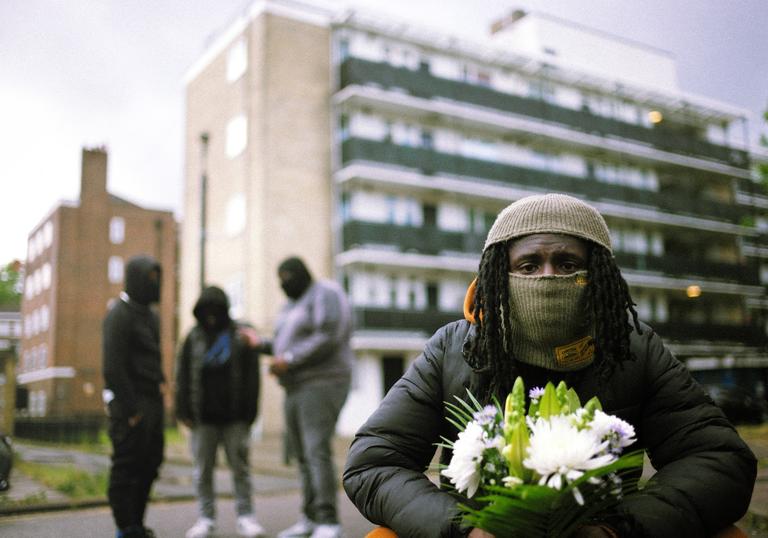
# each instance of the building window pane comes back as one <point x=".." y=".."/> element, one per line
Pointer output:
<point x="115" y="269"/>
<point x="46" y="275"/>
<point x="237" y="60"/>
<point x="117" y="230"/>
<point x="48" y="234"/>
<point x="237" y="136"/>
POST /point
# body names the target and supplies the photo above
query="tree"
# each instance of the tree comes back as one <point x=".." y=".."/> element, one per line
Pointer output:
<point x="11" y="283"/>
<point x="762" y="167"/>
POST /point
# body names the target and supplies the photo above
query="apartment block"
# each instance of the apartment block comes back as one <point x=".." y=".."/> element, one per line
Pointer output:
<point x="381" y="152"/>
<point x="74" y="270"/>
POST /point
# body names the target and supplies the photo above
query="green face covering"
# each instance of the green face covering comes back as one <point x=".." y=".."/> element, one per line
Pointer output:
<point x="550" y="326"/>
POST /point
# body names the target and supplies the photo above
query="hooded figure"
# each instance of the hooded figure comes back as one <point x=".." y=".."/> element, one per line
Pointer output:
<point x="217" y="393"/>
<point x="133" y="375"/>
<point x="142" y="280"/>
<point x="312" y="361"/>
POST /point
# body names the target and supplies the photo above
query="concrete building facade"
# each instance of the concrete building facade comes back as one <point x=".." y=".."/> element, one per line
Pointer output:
<point x="381" y="153"/>
<point x="74" y="270"/>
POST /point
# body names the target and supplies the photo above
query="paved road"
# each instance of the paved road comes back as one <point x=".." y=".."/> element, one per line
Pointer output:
<point x="171" y="519"/>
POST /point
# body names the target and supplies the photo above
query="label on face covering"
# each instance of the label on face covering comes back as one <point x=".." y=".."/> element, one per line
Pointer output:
<point x="578" y="353"/>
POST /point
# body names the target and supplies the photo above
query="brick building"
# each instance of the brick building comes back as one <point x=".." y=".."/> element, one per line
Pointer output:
<point x="74" y="269"/>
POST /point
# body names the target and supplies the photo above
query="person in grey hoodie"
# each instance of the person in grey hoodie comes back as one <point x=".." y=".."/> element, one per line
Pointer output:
<point x="312" y="361"/>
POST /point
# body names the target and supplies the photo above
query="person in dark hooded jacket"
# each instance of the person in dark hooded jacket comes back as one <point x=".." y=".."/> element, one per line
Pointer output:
<point x="133" y="376"/>
<point x="550" y="304"/>
<point x="217" y="392"/>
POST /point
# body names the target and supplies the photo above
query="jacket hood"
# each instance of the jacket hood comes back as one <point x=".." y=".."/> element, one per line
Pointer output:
<point x="142" y="279"/>
<point x="212" y="301"/>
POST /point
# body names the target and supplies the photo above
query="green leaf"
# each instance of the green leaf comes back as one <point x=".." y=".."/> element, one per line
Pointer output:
<point x="548" y="405"/>
<point x="572" y="402"/>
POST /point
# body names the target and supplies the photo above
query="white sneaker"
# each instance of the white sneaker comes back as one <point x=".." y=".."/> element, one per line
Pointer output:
<point x="301" y="529"/>
<point x="202" y="528"/>
<point x="327" y="531"/>
<point x="250" y="527"/>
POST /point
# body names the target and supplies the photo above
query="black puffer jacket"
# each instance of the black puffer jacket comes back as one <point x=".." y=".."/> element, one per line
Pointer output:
<point x="705" y="471"/>
<point x="244" y="373"/>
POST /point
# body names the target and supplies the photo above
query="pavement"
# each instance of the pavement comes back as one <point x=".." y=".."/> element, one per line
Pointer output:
<point x="29" y="508"/>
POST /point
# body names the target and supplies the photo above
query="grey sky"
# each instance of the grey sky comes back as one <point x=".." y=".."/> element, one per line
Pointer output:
<point x="109" y="72"/>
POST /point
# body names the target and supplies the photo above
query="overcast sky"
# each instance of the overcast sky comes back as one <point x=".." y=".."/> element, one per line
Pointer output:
<point x="77" y="73"/>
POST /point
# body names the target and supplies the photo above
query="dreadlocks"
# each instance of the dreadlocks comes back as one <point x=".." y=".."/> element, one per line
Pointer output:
<point x="608" y="303"/>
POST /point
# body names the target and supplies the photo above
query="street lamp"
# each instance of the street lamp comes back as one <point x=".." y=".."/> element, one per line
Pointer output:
<point x="203" y="203"/>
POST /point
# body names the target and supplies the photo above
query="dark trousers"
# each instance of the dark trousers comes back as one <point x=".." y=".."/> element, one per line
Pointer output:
<point x="137" y="453"/>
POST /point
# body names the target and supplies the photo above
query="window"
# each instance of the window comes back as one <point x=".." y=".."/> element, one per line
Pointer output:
<point x="236" y="136"/>
<point x="48" y="234"/>
<point x="343" y="49"/>
<point x="237" y="60"/>
<point x="45" y="317"/>
<point x="235" y="215"/>
<point x="115" y="269"/>
<point x="42" y="357"/>
<point x="117" y="230"/>
<point x="45" y="275"/>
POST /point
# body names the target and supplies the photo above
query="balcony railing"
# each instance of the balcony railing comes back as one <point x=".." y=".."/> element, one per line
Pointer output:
<point x="424" y="239"/>
<point x="675" y="265"/>
<point x="422" y="84"/>
<point x="709" y="332"/>
<point x="427" y="321"/>
<point x="429" y="162"/>
<point x="432" y="240"/>
<point x="430" y="320"/>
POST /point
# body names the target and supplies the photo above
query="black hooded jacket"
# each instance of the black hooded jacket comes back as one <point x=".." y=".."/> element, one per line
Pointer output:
<point x="705" y="471"/>
<point x="241" y="371"/>
<point x="131" y="357"/>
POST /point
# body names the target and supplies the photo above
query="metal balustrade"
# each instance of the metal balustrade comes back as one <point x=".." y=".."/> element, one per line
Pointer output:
<point x="432" y="240"/>
<point x="429" y="161"/>
<point x="421" y="83"/>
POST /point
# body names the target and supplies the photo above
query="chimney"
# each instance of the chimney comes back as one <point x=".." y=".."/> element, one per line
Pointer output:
<point x="93" y="180"/>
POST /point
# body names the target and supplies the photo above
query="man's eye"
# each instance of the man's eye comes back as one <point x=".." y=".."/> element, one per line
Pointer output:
<point x="528" y="268"/>
<point x="569" y="267"/>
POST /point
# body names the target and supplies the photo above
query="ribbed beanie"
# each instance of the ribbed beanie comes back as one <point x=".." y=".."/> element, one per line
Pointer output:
<point x="549" y="213"/>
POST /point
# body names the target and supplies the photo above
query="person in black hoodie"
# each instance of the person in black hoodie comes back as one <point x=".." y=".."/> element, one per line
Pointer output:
<point x="217" y="391"/>
<point x="133" y="380"/>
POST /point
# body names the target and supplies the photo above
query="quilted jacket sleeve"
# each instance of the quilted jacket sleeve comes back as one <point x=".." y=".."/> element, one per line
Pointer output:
<point x="384" y="476"/>
<point x="705" y="472"/>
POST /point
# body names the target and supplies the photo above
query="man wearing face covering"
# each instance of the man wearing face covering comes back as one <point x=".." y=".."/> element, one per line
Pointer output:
<point x="217" y="393"/>
<point x="133" y="376"/>
<point x="312" y="361"/>
<point x="549" y="304"/>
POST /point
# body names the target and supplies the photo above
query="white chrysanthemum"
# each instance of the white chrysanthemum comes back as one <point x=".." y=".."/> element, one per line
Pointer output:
<point x="464" y="468"/>
<point x="619" y="433"/>
<point x="560" y="453"/>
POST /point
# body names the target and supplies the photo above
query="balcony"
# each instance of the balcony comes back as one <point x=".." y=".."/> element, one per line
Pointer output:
<point x="430" y="162"/>
<point x="424" y="239"/>
<point x="673" y="265"/>
<point x="427" y="321"/>
<point x="422" y="84"/>
<point x="430" y="320"/>
<point x="681" y="331"/>
<point x="432" y="240"/>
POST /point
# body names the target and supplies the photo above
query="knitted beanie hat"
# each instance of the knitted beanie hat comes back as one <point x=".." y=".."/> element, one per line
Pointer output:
<point x="549" y="213"/>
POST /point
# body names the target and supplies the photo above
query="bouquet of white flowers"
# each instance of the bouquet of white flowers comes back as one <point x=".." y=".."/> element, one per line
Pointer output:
<point x="541" y="473"/>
